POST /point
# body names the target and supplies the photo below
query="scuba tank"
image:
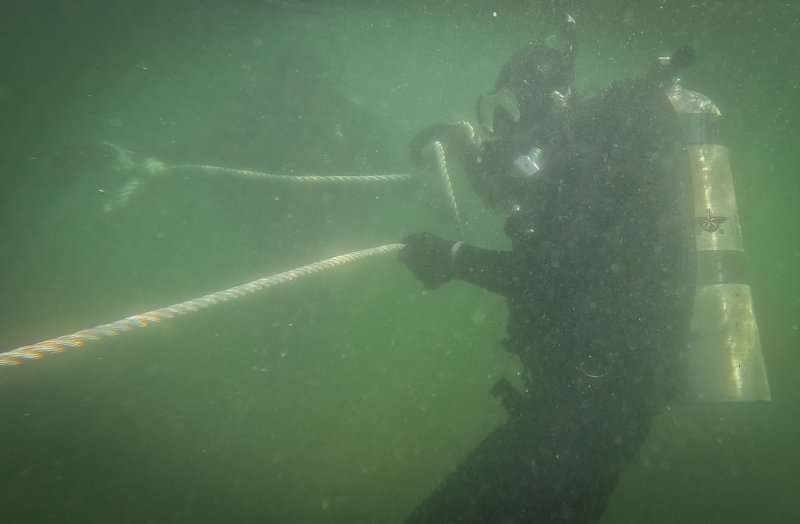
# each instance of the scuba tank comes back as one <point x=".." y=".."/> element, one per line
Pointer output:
<point x="723" y="360"/>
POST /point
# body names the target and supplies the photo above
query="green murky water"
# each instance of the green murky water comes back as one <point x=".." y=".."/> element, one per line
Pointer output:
<point x="346" y="396"/>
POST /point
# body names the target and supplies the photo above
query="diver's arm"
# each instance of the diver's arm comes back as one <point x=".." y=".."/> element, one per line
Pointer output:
<point x="485" y="268"/>
<point x="434" y="261"/>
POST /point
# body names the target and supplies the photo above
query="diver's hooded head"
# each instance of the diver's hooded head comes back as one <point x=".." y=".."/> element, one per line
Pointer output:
<point x="535" y="81"/>
<point x="533" y="74"/>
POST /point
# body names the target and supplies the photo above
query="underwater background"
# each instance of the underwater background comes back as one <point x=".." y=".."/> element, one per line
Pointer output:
<point x="345" y="396"/>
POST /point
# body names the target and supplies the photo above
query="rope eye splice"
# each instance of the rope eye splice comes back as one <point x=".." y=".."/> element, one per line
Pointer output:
<point x="151" y="168"/>
<point x="123" y="162"/>
<point x="60" y="344"/>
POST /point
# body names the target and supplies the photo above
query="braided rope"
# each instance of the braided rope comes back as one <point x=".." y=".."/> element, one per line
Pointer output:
<point x="79" y="338"/>
<point x="299" y="179"/>
<point x="469" y="131"/>
<point x="151" y="168"/>
<point x="441" y="165"/>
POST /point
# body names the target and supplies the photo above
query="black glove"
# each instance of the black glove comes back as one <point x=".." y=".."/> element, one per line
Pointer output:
<point x="429" y="258"/>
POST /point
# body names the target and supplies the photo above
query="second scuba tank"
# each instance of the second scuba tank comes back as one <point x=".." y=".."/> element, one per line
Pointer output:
<point x="723" y="361"/>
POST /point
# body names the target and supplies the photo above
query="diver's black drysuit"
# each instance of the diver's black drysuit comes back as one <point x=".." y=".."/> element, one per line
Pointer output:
<point x="600" y="286"/>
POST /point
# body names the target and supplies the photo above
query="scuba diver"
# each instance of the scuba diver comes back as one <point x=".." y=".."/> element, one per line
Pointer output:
<point x="599" y="281"/>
